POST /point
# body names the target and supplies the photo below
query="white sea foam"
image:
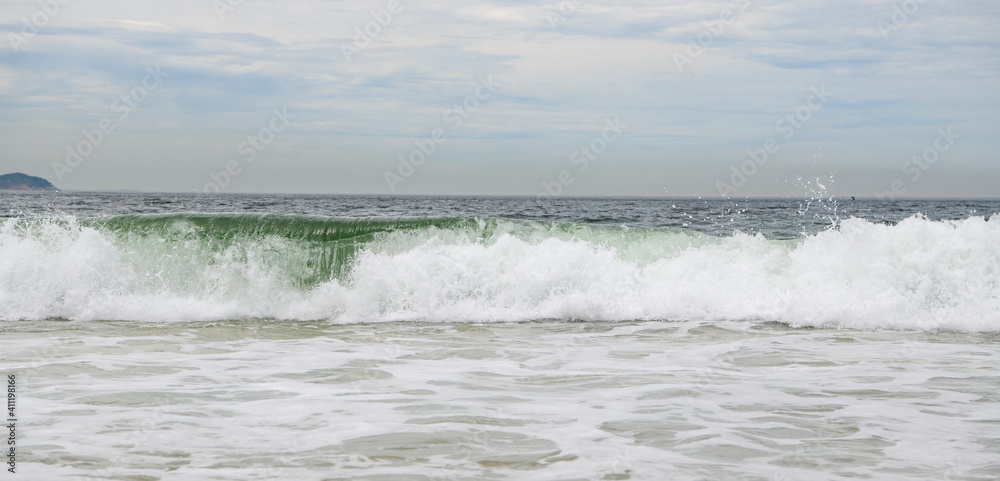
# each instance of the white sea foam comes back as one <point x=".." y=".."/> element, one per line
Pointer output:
<point x="644" y="400"/>
<point x="918" y="274"/>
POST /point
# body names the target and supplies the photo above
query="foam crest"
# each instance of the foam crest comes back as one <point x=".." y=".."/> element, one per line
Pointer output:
<point x="917" y="274"/>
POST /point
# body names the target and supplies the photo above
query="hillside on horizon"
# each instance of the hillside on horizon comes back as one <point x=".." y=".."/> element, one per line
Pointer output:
<point x="19" y="181"/>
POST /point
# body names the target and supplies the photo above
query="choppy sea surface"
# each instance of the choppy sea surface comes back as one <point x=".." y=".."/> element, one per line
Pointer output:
<point x="238" y="337"/>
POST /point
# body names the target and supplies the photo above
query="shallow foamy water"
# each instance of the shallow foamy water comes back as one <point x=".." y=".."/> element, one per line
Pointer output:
<point x="540" y="400"/>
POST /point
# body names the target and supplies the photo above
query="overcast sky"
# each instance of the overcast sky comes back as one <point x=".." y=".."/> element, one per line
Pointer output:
<point x="589" y="97"/>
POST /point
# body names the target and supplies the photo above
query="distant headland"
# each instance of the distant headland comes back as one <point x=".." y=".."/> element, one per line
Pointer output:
<point x="19" y="181"/>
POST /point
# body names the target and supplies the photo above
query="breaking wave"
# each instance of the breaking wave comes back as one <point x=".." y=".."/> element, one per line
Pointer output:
<point x="918" y="274"/>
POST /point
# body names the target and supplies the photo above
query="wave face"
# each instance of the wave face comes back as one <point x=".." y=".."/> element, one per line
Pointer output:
<point x="917" y="274"/>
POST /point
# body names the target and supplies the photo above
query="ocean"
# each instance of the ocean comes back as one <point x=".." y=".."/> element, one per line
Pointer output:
<point x="250" y="337"/>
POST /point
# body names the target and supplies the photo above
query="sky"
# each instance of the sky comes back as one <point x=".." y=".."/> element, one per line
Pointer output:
<point x="730" y="98"/>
